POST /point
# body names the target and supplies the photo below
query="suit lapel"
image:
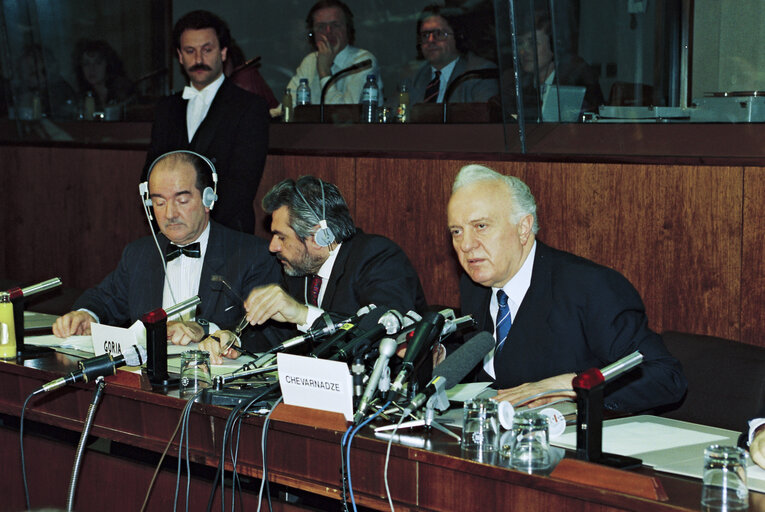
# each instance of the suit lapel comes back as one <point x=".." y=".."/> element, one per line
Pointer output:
<point x="214" y="261"/>
<point x="216" y="115"/>
<point x="338" y="269"/>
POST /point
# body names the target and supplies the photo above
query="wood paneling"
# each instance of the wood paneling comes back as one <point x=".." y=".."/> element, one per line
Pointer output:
<point x="689" y="237"/>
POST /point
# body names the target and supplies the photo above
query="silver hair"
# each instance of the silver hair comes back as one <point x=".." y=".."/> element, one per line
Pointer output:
<point x="521" y="200"/>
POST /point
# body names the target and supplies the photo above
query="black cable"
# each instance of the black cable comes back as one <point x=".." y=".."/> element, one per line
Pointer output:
<point x="21" y="443"/>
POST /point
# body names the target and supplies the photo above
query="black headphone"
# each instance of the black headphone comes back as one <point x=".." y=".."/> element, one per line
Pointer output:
<point x="324" y="236"/>
<point x="209" y="195"/>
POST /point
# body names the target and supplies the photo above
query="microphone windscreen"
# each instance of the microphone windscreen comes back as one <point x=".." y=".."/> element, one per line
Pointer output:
<point x="459" y="364"/>
<point x="371" y="319"/>
<point x="135" y="356"/>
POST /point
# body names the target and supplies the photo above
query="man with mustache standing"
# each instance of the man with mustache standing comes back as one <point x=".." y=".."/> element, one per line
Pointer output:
<point x="193" y="250"/>
<point x="337" y="272"/>
<point x="214" y="117"/>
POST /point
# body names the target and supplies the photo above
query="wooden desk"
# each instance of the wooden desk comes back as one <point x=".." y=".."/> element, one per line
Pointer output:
<point x="433" y="477"/>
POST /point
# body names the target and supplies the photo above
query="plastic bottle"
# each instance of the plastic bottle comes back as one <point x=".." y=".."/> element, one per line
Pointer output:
<point x="369" y="95"/>
<point x="89" y="108"/>
<point x="287" y="106"/>
<point x="303" y="93"/>
<point x="7" y="330"/>
<point x="402" y="112"/>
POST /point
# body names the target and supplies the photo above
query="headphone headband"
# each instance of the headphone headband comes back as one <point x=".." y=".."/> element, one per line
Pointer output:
<point x="209" y="195"/>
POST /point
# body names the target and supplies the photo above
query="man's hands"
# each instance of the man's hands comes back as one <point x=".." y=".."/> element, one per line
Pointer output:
<point x="757" y="447"/>
<point x="213" y="346"/>
<point x="271" y="301"/>
<point x="183" y="333"/>
<point x="326" y="55"/>
<point x="519" y="394"/>
<point x="72" y="324"/>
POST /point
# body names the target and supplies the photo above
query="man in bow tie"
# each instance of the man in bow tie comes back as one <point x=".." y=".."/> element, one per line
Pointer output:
<point x="214" y="117"/>
<point x="192" y="248"/>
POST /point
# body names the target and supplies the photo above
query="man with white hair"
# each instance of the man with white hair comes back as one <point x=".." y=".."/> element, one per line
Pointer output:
<point x="553" y="313"/>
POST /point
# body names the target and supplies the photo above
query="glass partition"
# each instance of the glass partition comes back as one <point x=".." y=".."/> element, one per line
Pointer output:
<point x="514" y="63"/>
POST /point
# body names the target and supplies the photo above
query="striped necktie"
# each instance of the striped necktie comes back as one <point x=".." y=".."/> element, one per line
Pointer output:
<point x="504" y="320"/>
<point x="434" y="86"/>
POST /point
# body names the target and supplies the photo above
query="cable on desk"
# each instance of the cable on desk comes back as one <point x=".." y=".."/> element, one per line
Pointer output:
<point x="348" y="457"/>
<point x="21" y="443"/>
<point x="387" y="460"/>
<point x="263" y="448"/>
<point x="161" y="459"/>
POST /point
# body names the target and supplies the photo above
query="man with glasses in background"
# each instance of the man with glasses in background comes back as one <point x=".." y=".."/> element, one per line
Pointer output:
<point x="331" y="34"/>
<point x="441" y="42"/>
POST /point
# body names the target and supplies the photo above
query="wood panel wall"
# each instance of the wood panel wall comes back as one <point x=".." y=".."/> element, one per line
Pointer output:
<point x="691" y="238"/>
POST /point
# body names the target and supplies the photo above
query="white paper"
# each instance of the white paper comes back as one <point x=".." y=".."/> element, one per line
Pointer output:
<point x="316" y="383"/>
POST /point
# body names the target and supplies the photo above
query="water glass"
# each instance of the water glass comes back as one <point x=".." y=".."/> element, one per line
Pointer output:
<point x="724" y="479"/>
<point x="480" y="426"/>
<point x="528" y="446"/>
<point x="195" y="372"/>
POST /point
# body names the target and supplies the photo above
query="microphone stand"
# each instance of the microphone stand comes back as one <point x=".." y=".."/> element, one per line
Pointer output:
<point x="467" y="75"/>
<point x="18" y="299"/>
<point x="156" y="341"/>
<point x="97" y="394"/>
<point x="437" y="401"/>
<point x="334" y="78"/>
<point x="589" y="386"/>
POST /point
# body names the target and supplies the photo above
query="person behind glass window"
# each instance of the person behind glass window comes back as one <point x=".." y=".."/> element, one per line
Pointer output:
<point x="570" y="69"/>
<point x="331" y="33"/>
<point x="40" y="80"/>
<point x="100" y="71"/>
<point x="441" y="41"/>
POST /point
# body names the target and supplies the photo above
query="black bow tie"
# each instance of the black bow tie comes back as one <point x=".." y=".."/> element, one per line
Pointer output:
<point x="191" y="250"/>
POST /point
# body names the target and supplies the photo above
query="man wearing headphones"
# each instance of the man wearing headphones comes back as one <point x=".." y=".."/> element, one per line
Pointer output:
<point x="440" y="41"/>
<point x="181" y="262"/>
<point x="331" y="34"/>
<point x="329" y="264"/>
<point x="214" y="117"/>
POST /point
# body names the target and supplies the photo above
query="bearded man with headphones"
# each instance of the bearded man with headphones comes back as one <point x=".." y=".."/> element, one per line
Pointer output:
<point x="160" y="271"/>
<point x="329" y="264"/>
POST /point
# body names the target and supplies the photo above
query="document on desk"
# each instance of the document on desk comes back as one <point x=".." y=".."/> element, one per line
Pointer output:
<point x="665" y="444"/>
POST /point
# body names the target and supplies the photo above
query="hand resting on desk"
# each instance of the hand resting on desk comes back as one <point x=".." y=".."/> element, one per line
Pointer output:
<point x="74" y="323"/>
<point x="183" y="333"/>
<point x="757" y="448"/>
<point x="518" y="395"/>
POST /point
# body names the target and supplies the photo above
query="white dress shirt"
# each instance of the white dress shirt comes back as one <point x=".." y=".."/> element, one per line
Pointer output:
<point x="515" y="289"/>
<point x="325" y="271"/>
<point x="199" y="104"/>
<point x="183" y="277"/>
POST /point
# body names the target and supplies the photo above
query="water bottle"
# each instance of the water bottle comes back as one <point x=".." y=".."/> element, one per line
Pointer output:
<point x="287" y="106"/>
<point x="303" y="93"/>
<point x="369" y="96"/>
<point x="402" y="112"/>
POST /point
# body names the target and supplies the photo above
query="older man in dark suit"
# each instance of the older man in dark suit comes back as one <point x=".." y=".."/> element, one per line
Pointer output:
<point x="337" y="272"/>
<point x="190" y="250"/>
<point x="214" y="117"/>
<point x="553" y="313"/>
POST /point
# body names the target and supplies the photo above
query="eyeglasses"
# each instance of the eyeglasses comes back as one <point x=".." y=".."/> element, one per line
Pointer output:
<point x="437" y="35"/>
<point x="319" y="28"/>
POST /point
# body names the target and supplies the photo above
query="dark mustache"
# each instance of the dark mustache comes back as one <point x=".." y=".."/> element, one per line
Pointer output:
<point x="200" y="67"/>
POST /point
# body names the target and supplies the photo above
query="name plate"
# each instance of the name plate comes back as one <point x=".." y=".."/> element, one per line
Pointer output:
<point x="316" y="383"/>
<point x="111" y="340"/>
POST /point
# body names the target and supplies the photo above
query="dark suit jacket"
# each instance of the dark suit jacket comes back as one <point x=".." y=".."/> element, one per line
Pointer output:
<point x="370" y="269"/>
<point x="234" y="135"/>
<point x="470" y="90"/>
<point x="577" y="315"/>
<point x="136" y="286"/>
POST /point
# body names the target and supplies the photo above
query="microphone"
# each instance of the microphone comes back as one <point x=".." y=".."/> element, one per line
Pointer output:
<point x="426" y="331"/>
<point x="454" y="368"/>
<point x="315" y="334"/>
<point x="390" y="323"/>
<point x="99" y="366"/>
<point x="593" y="377"/>
<point x="365" y="322"/>
<point x="387" y="349"/>
<point x="334" y="78"/>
